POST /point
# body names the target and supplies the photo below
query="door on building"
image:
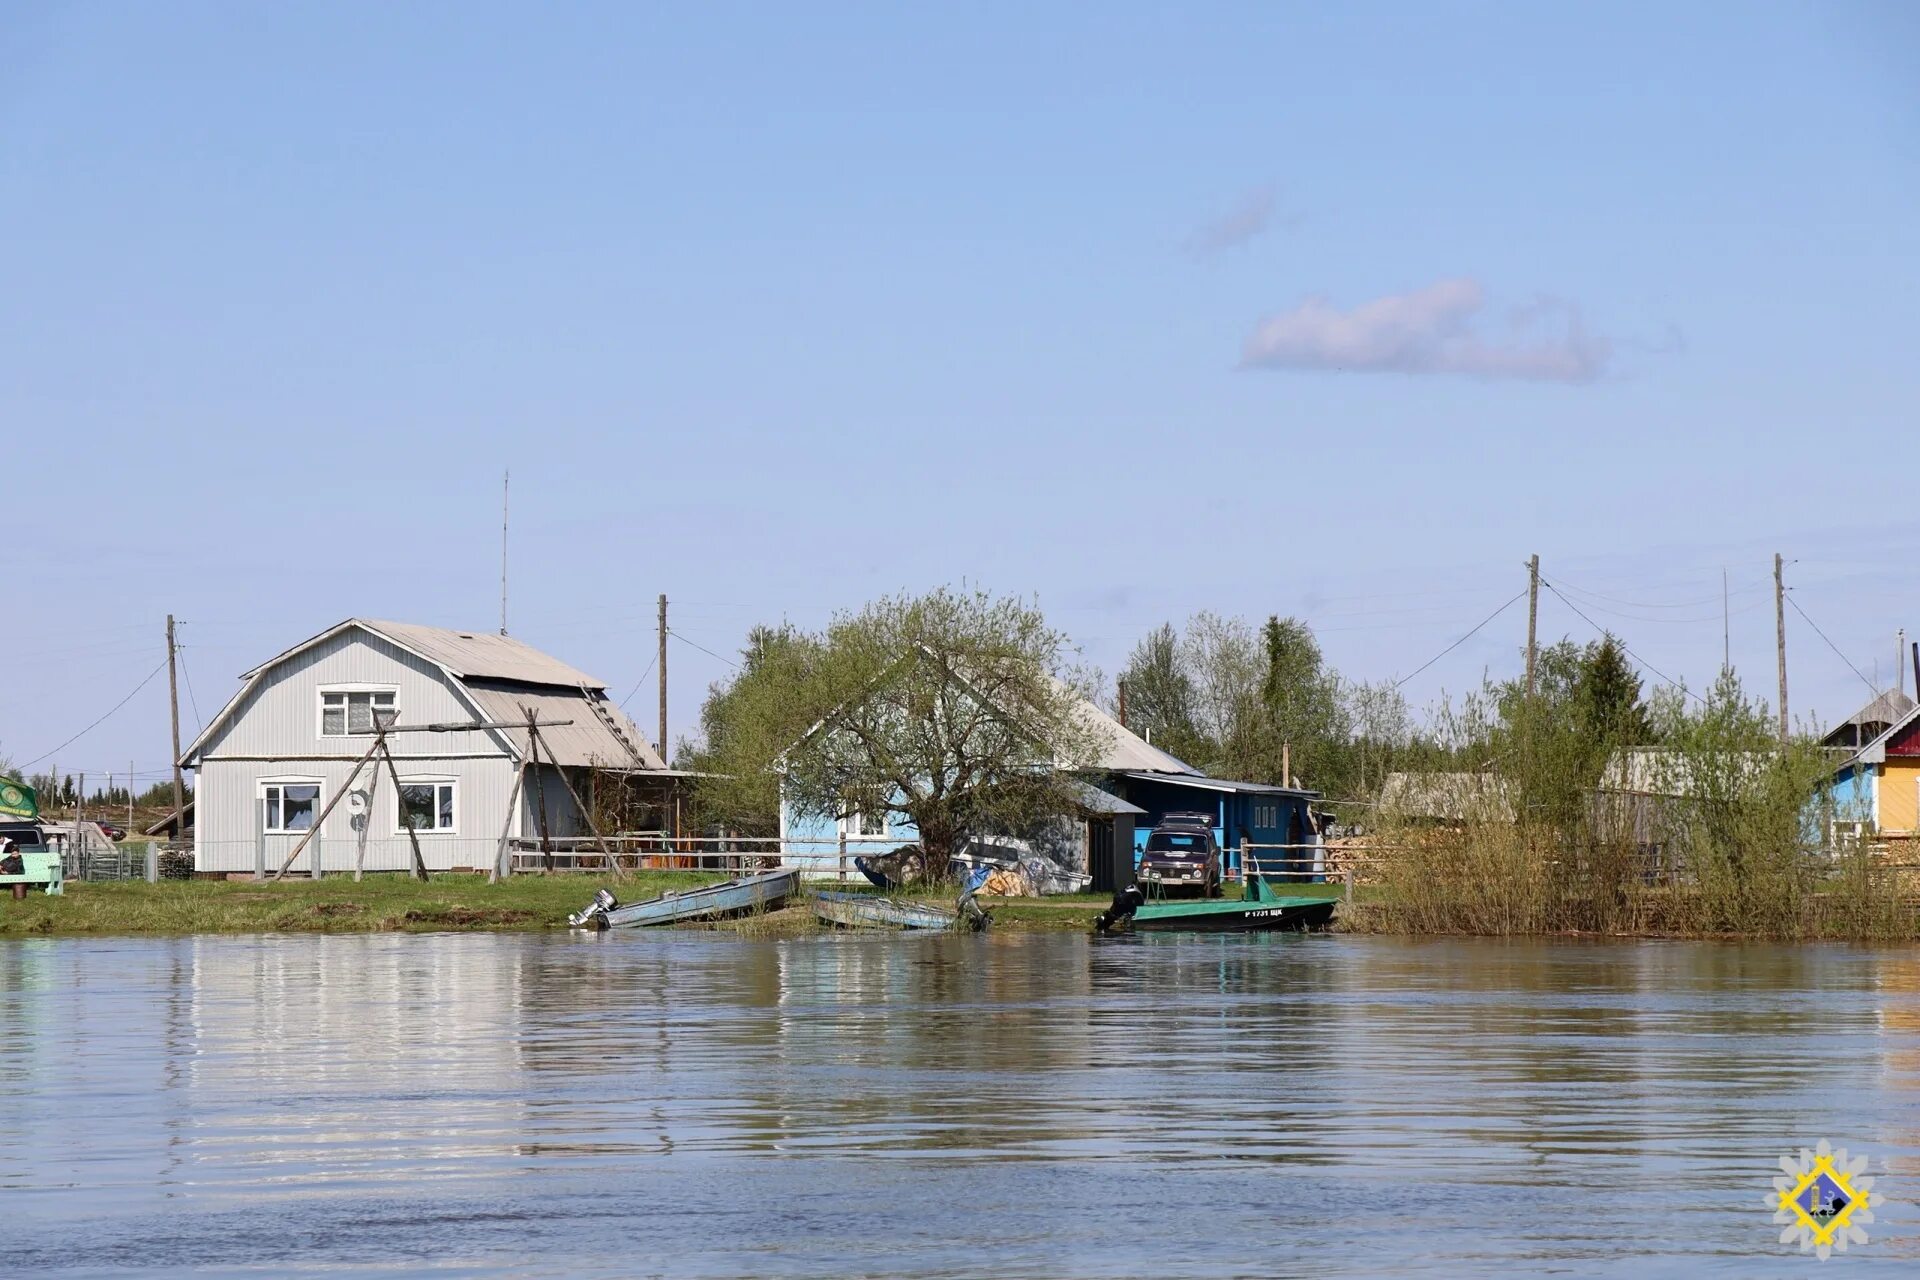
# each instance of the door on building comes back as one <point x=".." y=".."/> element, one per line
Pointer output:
<point x="1100" y="854"/>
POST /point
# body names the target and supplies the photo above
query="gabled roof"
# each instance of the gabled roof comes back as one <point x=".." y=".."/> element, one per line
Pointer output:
<point x="498" y="676"/>
<point x="461" y="654"/>
<point x="1875" y="752"/>
<point x="1887" y="709"/>
<point x="1124" y="751"/>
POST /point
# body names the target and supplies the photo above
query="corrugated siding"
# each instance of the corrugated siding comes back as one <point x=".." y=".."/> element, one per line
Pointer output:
<point x="280" y="717"/>
<point x="227" y="791"/>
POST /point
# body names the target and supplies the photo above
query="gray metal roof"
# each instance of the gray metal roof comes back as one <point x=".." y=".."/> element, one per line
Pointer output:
<point x="1121" y="750"/>
<point x="1201" y="782"/>
<point x="588" y="742"/>
<point x="464" y="654"/>
<point x="1889" y="708"/>
<point x="1093" y="800"/>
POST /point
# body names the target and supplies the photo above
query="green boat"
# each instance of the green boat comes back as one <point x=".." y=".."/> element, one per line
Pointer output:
<point x="1266" y="910"/>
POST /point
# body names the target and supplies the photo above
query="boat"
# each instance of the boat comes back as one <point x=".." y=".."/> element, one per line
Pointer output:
<point x="1266" y="910"/>
<point x="762" y="892"/>
<point x="1220" y="916"/>
<point x="867" y="911"/>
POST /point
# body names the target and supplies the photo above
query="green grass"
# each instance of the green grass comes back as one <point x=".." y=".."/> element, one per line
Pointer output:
<point x="377" y="904"/>
<point x="393" y="903"/>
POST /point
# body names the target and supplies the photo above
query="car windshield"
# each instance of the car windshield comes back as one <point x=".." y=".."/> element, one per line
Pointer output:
<point x="1190" y="844"/>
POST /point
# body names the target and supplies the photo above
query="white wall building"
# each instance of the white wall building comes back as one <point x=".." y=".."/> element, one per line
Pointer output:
<point x="267" y="766"/>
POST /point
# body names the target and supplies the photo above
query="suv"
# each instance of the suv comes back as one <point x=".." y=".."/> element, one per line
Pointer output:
<point x="1182" y="855"/>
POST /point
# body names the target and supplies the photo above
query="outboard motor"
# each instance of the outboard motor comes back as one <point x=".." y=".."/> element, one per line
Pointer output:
<point x="1120" y="910"/>
<point x="595" y="912"/>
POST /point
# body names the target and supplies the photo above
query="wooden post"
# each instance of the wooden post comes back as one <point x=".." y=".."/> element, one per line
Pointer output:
<point x="1780" y="638"/>
<point x="1123" y="704"/>
<point x="173" y="705"/>
<point x="318" y="822"/>
<point x="540" y="794"/>
<point x="661" y="659"/>
<point x="1533" y="619"/>
<point x="399" y="804"/>
<point x="366" y="829"/>
<point x="606" y="850"/>
<point x="843" y="854"/>
<point x="503" y="855"/>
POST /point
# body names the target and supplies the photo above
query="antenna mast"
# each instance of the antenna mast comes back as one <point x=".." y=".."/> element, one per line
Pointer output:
<point x="506" y="478"/>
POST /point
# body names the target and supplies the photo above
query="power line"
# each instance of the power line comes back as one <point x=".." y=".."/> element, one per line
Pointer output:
<point x="702" y="648"/>
<point x="1462" y="640"/>
<point x="102" y="720"/>
<point x="637" y="683"/>
<point x="198" y="723"/>
<point x="1623" y="644"/>
<point x="1831" y="645"/>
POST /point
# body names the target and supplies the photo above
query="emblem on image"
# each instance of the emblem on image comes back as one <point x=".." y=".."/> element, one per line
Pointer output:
<point x="1823" y="1201"/>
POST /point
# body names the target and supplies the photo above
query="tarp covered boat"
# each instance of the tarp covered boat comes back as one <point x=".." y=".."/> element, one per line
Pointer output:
<point x="866" y="911"/>
<point x="763" y="892"/>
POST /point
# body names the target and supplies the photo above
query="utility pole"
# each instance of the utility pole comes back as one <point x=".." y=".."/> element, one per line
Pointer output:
<point x="1533" y="619"/>
<point x="1726" y="625"/>
<point x="129" y="797"/>
<point x="506" y="479"/>
<point x="1900" y="661"/>
<point x="1780" y="635"/>
<point x="661" y="659"/>
<point x="173" y="705"/>
<point x="1123" y="704"/>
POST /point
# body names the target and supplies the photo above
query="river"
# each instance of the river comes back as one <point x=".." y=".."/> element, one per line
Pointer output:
<point x="690" y="1105"/>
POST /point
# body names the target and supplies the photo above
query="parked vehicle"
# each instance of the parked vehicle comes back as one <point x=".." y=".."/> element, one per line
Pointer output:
<point x="1182" y="857"/>
<point x="113" y="833"/>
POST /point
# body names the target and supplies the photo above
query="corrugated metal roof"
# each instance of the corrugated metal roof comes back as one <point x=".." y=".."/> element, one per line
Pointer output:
<point x="1093" y="800"/>
<point x="587" y="742"/>
<point x="1203" y="783"/>
<point x="481" y="655"/>
<point x="1119" y="749"/>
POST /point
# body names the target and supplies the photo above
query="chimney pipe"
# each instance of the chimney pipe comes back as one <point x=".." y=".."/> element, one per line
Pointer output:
<point x="1123" y="704"/>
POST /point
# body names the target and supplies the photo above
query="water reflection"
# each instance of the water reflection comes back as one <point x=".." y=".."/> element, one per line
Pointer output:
<point x="938" y="1106"/>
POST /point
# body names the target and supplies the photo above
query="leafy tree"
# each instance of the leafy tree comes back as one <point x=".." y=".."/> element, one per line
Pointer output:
<point x="746" y="723"/>
<point x="1161" y="696"/>
<point x="951" y="710"/>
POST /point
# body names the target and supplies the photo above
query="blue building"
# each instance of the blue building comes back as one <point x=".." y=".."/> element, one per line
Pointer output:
<point x="1128" y="787"/>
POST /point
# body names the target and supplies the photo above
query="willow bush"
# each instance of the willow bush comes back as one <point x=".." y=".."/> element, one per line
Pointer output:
<point x="1683" y="815"/>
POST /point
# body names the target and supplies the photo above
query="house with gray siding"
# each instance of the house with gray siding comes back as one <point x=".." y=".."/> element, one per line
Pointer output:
<point x="267" y="766"/>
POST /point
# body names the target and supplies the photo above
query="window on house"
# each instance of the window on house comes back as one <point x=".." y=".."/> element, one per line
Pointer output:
<point x="291" y="806"/>
<point x="426" y="804"/>
<point x="345" y="712"/>
<point x="859" y="823"/>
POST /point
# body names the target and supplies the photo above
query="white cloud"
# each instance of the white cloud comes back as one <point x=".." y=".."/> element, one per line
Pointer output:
<point x="1431" y="330"/>
<point x="1250" y="218"/>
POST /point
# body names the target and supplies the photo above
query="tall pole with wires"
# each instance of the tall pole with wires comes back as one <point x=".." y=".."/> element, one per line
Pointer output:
<point x="173" y="707"/>
<point x="661" y="659"/>
<point x="506" y="479"/>
<point x="1780" y="637"/>
<point x="1533" y="619"/>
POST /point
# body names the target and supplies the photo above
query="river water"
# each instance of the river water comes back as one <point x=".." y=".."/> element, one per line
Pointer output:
<point x="1043" y="1105"/>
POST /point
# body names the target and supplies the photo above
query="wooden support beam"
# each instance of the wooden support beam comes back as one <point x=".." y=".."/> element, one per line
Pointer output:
<point x="320" y="821"/>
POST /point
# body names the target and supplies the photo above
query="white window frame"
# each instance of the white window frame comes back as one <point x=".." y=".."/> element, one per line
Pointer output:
<point x="850" y="826"/>
<point x="260" y="786"/>
<point x="428" y="780"/>
<point x="320" y="706"/>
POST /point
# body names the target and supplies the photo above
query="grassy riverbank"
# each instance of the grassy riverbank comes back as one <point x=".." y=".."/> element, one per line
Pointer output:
<point x="396" y="904"/>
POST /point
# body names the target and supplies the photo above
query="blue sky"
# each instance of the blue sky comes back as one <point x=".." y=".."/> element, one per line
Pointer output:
<point x="1339" y="311"/>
